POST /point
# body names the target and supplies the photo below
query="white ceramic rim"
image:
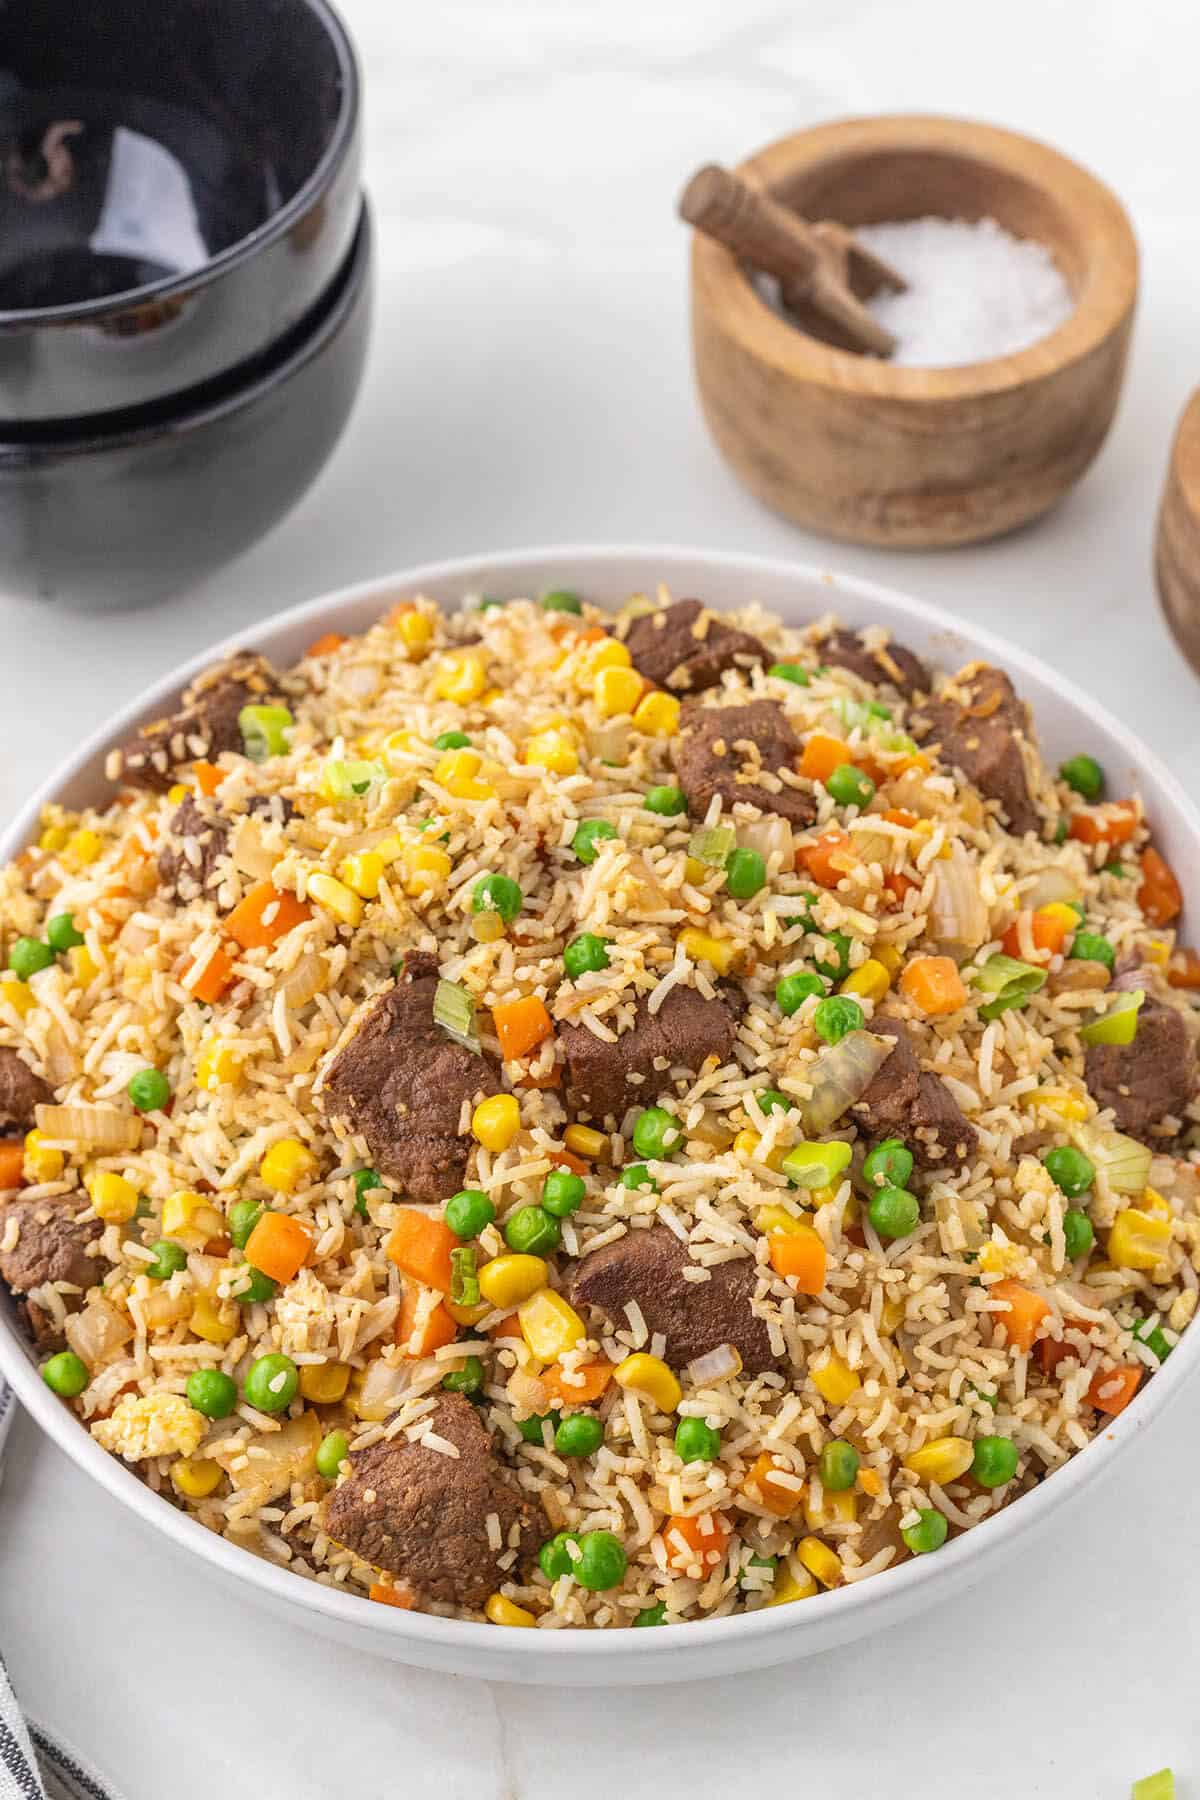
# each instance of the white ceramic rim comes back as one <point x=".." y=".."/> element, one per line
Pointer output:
<point x="776" y="1633"/>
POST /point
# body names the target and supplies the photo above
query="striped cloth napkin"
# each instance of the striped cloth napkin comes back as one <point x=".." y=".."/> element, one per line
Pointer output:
<point x="32" y="1765"/>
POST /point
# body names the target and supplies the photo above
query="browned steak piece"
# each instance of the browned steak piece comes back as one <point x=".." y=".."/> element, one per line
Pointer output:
<point x="725" y="750"/>
<point x="423" y="1515"/>
<point x="980" y="734"/>
<point x="206" y="724"/>
<point x="693" y="1316"/>
<point x="1145" y="1080"/>
<point x="51" y="1244"/>
<point x="606" y="1079"/>
<point x="401" y="1083"/>
<point x="895" y="665"/>
<point x="20" y="1091"/>
<point x="687" y="648"/>
<point x="198" y="840"/>
<point x="905" y="1101"/>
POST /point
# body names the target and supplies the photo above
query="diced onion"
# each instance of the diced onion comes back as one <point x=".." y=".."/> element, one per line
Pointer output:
<point x="715" y="1366"/>
<point x="382" y="1389"/>
<point x="1051" y="887"/>
<point x="841" y="1075"/>
<point x="276" y="1459"/>
<point x="958" y="918"/>
<point x="770" y="836"/>
<point x="98" y="1126"/>
<point x="248" y="852"/>
<point x="96" y="1332"/>
<point x="305" y="980"/>
<point x="454" y="1011"/>
<point x="610" y="741"/>
<point x="712" y="845"/>
<point x="363" y="681"/>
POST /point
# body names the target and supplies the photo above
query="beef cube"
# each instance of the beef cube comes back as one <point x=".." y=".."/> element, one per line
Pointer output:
<point x="907" y="1102"/>
<point x="20" y="1092"/>
<point x="978" y="731"/>
<point x="605" y="1080"/>
<point x="686" y="648"/>
<point x="1149" y="1079"/>
<point x="205" y="725"/>
<point x="893" y="666"/>
<point x="52" y="1245"/>
<point x="726" y="750"/>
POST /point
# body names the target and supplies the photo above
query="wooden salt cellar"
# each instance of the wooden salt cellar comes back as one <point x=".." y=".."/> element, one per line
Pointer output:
<point x="1177" y="542"/>
<point x="855" y="448"/>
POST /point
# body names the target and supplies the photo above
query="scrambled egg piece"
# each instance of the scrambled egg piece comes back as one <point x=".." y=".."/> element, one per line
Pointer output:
<point x="145" y="1425"/>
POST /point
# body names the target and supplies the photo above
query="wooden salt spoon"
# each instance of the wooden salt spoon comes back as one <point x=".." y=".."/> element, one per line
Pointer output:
<point x="823" y="271"/>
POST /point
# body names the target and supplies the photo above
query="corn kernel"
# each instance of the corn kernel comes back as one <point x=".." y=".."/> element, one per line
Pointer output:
<point x="835" y="1381"/>
<point x="191" y="1218"/>
<point x="487" y="927"/>
<point x="218" y="1065"/>
<point x="397" y="746"/>
<point x="841" y="1509"/>
<point x="1158" y="953"/>
<point x="177" y="794"/>
<point x="582" y="1140"/>
<point x="496" y="1122"/>
<point x="54" y="838"/>
<point x="590" y="661"/>
<point x="657" y="715"/>
<point x="214" y="1321"/>
<point x="460" y="678"/>
<point x="287" y="1165"/>
<point x="718" y="952"/>
<point x="1153" y="1202"/>
<point x="746" y="1144"/>
<point x="456" y="772"/>
<point x="324" y="1383"/>
<point x="791" y="1584"/>
<point x="870" y="981"/>
<point x="1061" y="913"/>
<point x="501" y="1611"/>
<point x="943" y="1459"/>
<point x="362" y="873"/>
<point x="19" y="996"/>
<point x="553" y="751"/>
<point x="336" y="898"/>
<point x="415" y="632"/>
<point x="778" y="1218"/>
<point x="113" y="1198"/>
<point x="508" y="1280"/>
<point x="617" y="691"/>
<point x="1138" y="1240"/>
<point x="649" y="1375"/>
<point x="1058" y="1103"/>
<point x="41" y="1164"/>
<point x="549" y="1325"/>
<point x="84" y="966"/>
<point x="1001" y="1259"/>
<point x="695" y="871"/>
<point x="820" y="1561"/>
<point x="82" y="848"/>
<point x="196" y="1477"/>
<point x="891" y="1316"/>
<point x="890" y="957"/>
<point x="467" y="1315"/>
<point x="871" y="1482"/>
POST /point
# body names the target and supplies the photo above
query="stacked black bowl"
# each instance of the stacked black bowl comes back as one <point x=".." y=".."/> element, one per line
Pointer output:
<point x="185" y="282"/>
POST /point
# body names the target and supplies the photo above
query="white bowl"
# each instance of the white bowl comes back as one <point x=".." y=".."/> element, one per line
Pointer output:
<point x="1068" y="722"/>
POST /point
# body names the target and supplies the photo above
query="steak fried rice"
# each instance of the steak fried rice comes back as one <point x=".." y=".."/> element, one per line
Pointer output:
<point x="579" y="1118"/>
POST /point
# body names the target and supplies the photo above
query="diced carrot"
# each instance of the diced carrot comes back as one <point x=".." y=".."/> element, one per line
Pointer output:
<point x="212" y="980"/>
<point x="1052" y="1351"/>
<point x="933" y="984"/>
<point x="585" y="634"/>
<point x="900" y="815"/>
<point x="1113" y="824"/>
<point x="264" y="915"/>
<point x="509" y="1326"/>
<point x="521" y="1025"/>
<point x="385" y="1592"/>
<point x="1160" y="895"/>
<point x="208" y="776"/>
<point x="136" y="849"/>
<point x="822" y="755"/>
<point x="828" y="859"/>
<point x="899" y="886"/>
<point x="871" y="1482"/>
<point x="398" y="611"/>
<point x="563" y="1159"/>
<point x="326" y="644"/>
<point x="279" y="1246"/>
<point x="695" y="1538"/>
<point x="1112" y="1389"/>
<point x="917" y="759"/>
<point x="552" y="1079"/>
<point x="1025" y="1312"/>
<point x="437" y="1328"/>
<point x="1048" y="931"/>
<point x="800" y="1256"/>
<point x="762" y="1485"/>
<point x="595" y="1378"/>
<point x="420" y="1246"/>
<point x="1183" y="970"/>
<point x="12" y="1163"/>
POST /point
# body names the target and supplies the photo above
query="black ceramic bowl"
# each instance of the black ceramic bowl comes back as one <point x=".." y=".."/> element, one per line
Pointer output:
<point x="144" y="504"/>
<point x="179" y="185"/>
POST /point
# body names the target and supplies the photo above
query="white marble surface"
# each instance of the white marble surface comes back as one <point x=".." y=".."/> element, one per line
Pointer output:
<point x="529" y="382"/>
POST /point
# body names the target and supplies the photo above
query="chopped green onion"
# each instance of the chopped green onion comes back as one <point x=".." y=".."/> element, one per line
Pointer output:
<point x="816" y="1165"/>
<point x="264" y="731"/>
<point x="351" y="780"/>
<point x="1119" y="1024"/>
<point x="1154" y="1338"/>
<point x="454" y="1011"/>
<point x="464" y="1284"/>
<point x="1009" y="982"/>
<point x="712" y="845"/>
<point x="874" y="721"/>
<point x="1124" y="1162"/>
<point x="1159" y="1786"/>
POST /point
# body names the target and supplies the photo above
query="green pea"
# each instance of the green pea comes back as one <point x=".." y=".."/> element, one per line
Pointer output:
<point x="563" y="1193"/>
<point x="837" y="965"/>
<point x="65" y="1375"/>
<point x="850" y="787"/>
<point x="657" y="1133"/>
<point x="837" y="1466"/>
<point x="331" y="1454"/>
<point x="498" y="894"/>
<point x="602" y="1562"/>
<point x="1084" y="775"/>
<point x="1089" y="946"/>
<point x="554" y="1559"/>
<point x="61" y="933"/>
<point x="531" y="1429"/>
<point x="243" y="1217"/>
<point x="489" y="603"/>
<point x="652" y="1615"/>
<point x="257" y="1289"/>
<point x="894" y="1212"/>
<point x="696" y="1441"/>
<point x="770" y="1100"/>
<point x="27" y="956"/>
<point x="1070" y="1170"/>
<point x="929" y="1533"/>
<point x="1078" y="1232"/>
<point x="588" y="833"/>
<point x="562" y="600"/>
<point x="889" y="1164"/>
<point x="745" y="874"/>
<point x="1114" y="868"/>
<point x="994" y="1462"/>
<point x="468" y="1213"/>
<point x="791" y="991"/>
<point x="785" y="671"/>
<point x="212" y="1392"/>
<point x="467" y="1380"/>
<point x="637" y="1176"/>
<point x="669" y="801"/>
<point x="272" y="1383"/>
<point x="580" y="1435"/>
<point x="149" y="1090"/>
<point x="452" y="740"/>
<point x="366" y="1181"/>
<point x="169" y="1258"/>
<point x="531" y="1231"/>
<point x="836" y="1016"/>
<point x="585" y="954"/>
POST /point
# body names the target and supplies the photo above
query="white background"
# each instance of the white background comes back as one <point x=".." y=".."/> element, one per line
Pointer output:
<point x="529" y="382"/>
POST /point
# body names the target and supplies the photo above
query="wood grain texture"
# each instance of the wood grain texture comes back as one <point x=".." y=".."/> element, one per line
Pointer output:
<point x="1177" y="539"/>
<point x="918" y="458"/>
